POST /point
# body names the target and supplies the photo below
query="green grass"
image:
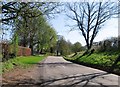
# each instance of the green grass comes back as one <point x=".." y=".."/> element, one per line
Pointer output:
<point x="99" y="59"/>
<point x="21" y="62"/>
<point x="102" y="60"/>
<point x="96" y="58"/>
<point x="30" y="59"/>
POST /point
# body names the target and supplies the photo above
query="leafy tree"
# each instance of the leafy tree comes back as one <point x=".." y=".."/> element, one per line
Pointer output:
<point x="14" y="45"/>
<point x="12" y="10"/>
<point x="35" y="32"/>
<point x="46" y="39"/>
<point x="52" y="39"/>
<point x="27" y="19"/>
<point x="64" y="47"/>
<point x="108" y="45"/>
<point x="76" y="47"/>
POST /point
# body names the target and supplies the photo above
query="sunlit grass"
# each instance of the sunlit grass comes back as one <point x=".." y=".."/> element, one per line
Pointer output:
<point x="30" y="59"/>
<point x="22" y="62"/>
<point x="103" y="59"/>
<point x="96" y="58"/>
<point x="99" y="59"/>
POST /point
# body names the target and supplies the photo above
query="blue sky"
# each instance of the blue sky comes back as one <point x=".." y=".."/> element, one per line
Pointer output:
<point x="110" y="29"/>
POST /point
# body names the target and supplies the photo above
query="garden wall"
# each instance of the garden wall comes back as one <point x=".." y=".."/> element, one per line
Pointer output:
<point x="23" y="51"/>
<point x="8" y="49"/>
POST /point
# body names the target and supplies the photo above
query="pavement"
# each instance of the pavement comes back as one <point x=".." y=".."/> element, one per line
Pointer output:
<point x="56" y="71"/>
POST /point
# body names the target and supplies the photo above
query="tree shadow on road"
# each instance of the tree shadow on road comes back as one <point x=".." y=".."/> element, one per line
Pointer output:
<point x="74" y="80"/>
<point x="81" y="80"/>
<point x="55" y="64"/>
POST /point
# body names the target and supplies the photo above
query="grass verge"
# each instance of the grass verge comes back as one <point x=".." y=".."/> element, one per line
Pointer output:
<point x="21" y="62"/>
<point x="101" y="61"/>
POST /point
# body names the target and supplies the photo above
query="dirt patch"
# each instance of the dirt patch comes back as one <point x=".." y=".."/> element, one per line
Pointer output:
<point x="17" y="75"/>
<point x="29" y="75"/>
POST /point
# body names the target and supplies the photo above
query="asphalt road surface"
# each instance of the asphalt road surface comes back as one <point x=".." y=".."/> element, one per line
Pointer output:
<point x="55" y="71"/>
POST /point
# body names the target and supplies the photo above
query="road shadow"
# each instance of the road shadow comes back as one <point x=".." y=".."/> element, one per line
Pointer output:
<point x="81" y="80"/>
<point x="55" y="64"/>
<point x="74" y="81"/>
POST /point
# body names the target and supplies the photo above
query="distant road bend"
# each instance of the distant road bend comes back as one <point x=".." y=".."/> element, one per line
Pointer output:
<point x="57" y="71"/>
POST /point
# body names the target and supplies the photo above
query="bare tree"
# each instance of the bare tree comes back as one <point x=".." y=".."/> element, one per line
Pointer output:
<point x="89" y="17"/>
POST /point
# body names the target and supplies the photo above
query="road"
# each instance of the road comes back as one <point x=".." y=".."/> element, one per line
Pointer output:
<point x="54" y="71"/>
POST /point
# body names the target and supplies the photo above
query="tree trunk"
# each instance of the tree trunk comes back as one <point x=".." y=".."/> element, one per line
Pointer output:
<point x="38" y="50"/>
<point x="41" y="50"/>
<point x="86" y="52"/>
<point x="31" y="46"/>
<point x="51" y="50"/>
<point x="57" y="52"/>
<point x="24" y="42"/>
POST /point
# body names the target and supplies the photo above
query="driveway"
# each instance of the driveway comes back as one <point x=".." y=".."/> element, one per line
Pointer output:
<point x="55" y="71"/>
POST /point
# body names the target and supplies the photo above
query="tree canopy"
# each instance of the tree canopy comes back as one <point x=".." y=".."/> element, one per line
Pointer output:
<point x="35" y="32"/>
<point x="12" y="10"/>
